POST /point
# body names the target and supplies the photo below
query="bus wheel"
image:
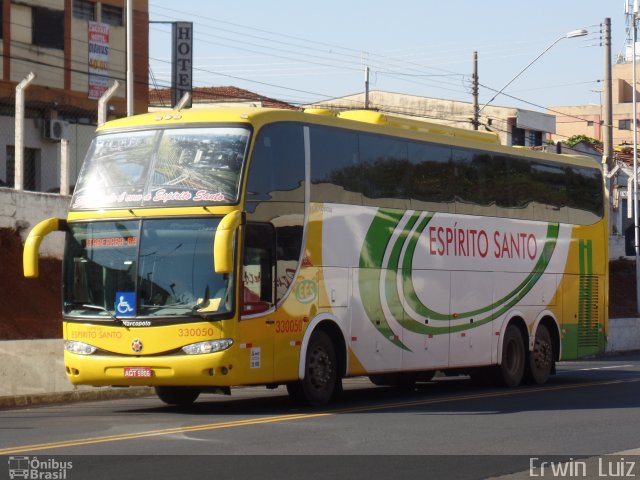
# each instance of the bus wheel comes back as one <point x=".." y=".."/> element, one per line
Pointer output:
<point x="512" y="368"/>
<point x="321" y="380"/>
<point x="181" y="396"/>
<point x="541" y="359"/>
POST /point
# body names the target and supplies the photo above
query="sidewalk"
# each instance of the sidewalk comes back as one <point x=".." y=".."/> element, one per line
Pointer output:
<point x="91" y="394"/>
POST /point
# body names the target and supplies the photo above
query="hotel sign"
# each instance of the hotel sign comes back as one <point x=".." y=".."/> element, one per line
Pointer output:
<point x="182" y="61"/>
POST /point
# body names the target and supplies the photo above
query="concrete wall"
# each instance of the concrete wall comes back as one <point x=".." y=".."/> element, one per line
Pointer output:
<point x="23" y="210"/>
<point x="616" y="247"/>
<point x="33" y="372"/>
<point x="623" y="335"/>
<point x="31" y="367"/>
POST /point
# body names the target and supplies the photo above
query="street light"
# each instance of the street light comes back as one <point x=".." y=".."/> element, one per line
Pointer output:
<point x="572" y="34"/>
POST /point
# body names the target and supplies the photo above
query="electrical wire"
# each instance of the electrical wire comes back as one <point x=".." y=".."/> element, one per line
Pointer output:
<point x="348" y="53"/>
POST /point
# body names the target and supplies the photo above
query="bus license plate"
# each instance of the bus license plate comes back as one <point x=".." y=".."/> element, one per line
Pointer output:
<point x="137" y="372"/>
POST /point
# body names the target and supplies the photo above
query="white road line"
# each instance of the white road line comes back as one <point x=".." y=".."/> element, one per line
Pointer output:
<point x="611" y="367"/>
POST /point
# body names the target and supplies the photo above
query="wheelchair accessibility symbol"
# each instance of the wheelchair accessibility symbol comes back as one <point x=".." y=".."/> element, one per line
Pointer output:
<point x="125" y="304"/>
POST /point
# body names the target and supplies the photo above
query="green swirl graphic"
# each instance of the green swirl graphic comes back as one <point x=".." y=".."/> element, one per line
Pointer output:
<point x="380" y="239"/>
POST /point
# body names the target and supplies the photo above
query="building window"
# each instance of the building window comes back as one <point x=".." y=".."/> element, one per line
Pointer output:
<point x="84" y="9"/>
<point x="31" y="167"/>
<point x="535" y="138"/>
<point x="47" y="28"/>
<point x="624" y="124"/>
<point x="518" y="137"/>
<point x="589" y="123"/>
<point x="112" y="15"/>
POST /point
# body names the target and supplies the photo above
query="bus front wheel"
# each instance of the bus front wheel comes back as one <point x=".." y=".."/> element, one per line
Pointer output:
<point x="321" y="378"/>
<point x="180" y="396"/>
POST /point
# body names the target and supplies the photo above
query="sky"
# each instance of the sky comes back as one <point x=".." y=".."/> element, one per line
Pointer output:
<point x="305" y="52"/>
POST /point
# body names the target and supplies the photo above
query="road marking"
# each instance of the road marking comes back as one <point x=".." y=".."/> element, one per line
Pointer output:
<point x="604" y="368"/>
<point x="610" y="367"/>
<point x="507" y="393"/>
<point x="155" y="433"/>
<point x="301" y="416"/>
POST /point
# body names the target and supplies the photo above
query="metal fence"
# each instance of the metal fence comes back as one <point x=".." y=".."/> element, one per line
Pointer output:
<point x="53" y="148"/>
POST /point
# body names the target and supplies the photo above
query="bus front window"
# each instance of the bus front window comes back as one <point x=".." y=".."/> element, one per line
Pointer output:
<point x="154" y="268"/>
<point x="163" y="167"/>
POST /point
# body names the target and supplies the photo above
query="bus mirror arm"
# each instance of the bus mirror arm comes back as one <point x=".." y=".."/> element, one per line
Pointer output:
<point x="223" y="242"/>
<point x="32" y="244"/>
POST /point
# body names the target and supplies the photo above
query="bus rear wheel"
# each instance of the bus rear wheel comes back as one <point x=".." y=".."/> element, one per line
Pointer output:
<point x="321" y="379"/>
<point x="541" y="358"/>
<point x="511" y="369"/>
<point x="180" y="396"/>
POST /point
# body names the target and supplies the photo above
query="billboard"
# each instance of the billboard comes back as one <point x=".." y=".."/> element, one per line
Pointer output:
<point x="98" y="40"/>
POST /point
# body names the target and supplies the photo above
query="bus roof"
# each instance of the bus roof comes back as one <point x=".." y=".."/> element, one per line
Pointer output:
<point x="249" y="114"/>
<point x="362" y="120"/>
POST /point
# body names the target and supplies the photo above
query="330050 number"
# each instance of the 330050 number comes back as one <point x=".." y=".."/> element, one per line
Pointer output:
<point x="289" y="326"/>
<point x="195" y="332"/>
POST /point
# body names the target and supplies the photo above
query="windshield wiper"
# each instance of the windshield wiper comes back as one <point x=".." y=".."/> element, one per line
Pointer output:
<point x="200" y="308"/>
<point x="97" y="308"/>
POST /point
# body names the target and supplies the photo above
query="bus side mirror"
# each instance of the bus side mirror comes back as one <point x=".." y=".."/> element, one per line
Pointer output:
<point x="223" y="241"/>
<point x="32" y="244"/>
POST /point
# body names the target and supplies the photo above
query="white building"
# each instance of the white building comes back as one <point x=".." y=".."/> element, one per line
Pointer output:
<point x="515" y="126"/>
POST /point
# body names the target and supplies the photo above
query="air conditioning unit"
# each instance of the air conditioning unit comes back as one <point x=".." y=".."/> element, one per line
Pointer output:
<point x="55" y="129"/>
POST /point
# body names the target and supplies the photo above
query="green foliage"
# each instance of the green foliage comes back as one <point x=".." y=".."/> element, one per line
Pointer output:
<point x="576" y="139"/>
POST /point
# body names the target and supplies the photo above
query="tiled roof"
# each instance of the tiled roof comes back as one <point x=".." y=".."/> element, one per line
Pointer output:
<point x="162" y="97"/>
<point x="621" y="153"/>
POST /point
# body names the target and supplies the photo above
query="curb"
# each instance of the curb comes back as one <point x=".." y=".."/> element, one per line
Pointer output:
<point x="74" y="396"/>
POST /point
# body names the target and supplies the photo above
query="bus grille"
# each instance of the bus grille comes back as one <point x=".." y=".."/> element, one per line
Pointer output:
<point x="588" y="313"/>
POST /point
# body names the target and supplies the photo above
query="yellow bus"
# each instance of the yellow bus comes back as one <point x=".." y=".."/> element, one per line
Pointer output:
<point x="207" y="249"/>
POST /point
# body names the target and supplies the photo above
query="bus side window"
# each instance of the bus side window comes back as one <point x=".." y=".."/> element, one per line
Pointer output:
<point x="258" y="268"/>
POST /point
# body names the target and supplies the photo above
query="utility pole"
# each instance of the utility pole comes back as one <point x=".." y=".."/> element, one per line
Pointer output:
<point x="608" y="113"/>
<point x="474" y="91"/>
<point x="366" y="87"/>
<point x="607" y="138"/>
<point x="130" y="74"/>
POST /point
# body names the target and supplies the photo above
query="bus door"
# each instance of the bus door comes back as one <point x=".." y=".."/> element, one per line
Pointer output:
<point x="257" y="301"/>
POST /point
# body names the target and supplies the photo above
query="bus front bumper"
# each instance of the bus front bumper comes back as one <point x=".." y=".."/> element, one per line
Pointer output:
<point x="213" y="369"/>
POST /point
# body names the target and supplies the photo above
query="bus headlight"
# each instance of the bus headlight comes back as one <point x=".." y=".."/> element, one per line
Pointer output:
<point x="79" y="348"/>
<point x="210" y="346"/>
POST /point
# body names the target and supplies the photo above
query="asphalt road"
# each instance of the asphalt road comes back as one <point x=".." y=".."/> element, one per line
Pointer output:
<point x="448" y="428"/>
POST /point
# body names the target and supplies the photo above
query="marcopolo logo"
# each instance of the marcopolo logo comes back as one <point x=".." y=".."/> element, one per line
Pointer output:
<point x="38" y="469"/>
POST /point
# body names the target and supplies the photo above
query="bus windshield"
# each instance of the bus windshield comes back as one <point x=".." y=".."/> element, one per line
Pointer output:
<point x="148" y="268"/>
<point x="162" y="167"/>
